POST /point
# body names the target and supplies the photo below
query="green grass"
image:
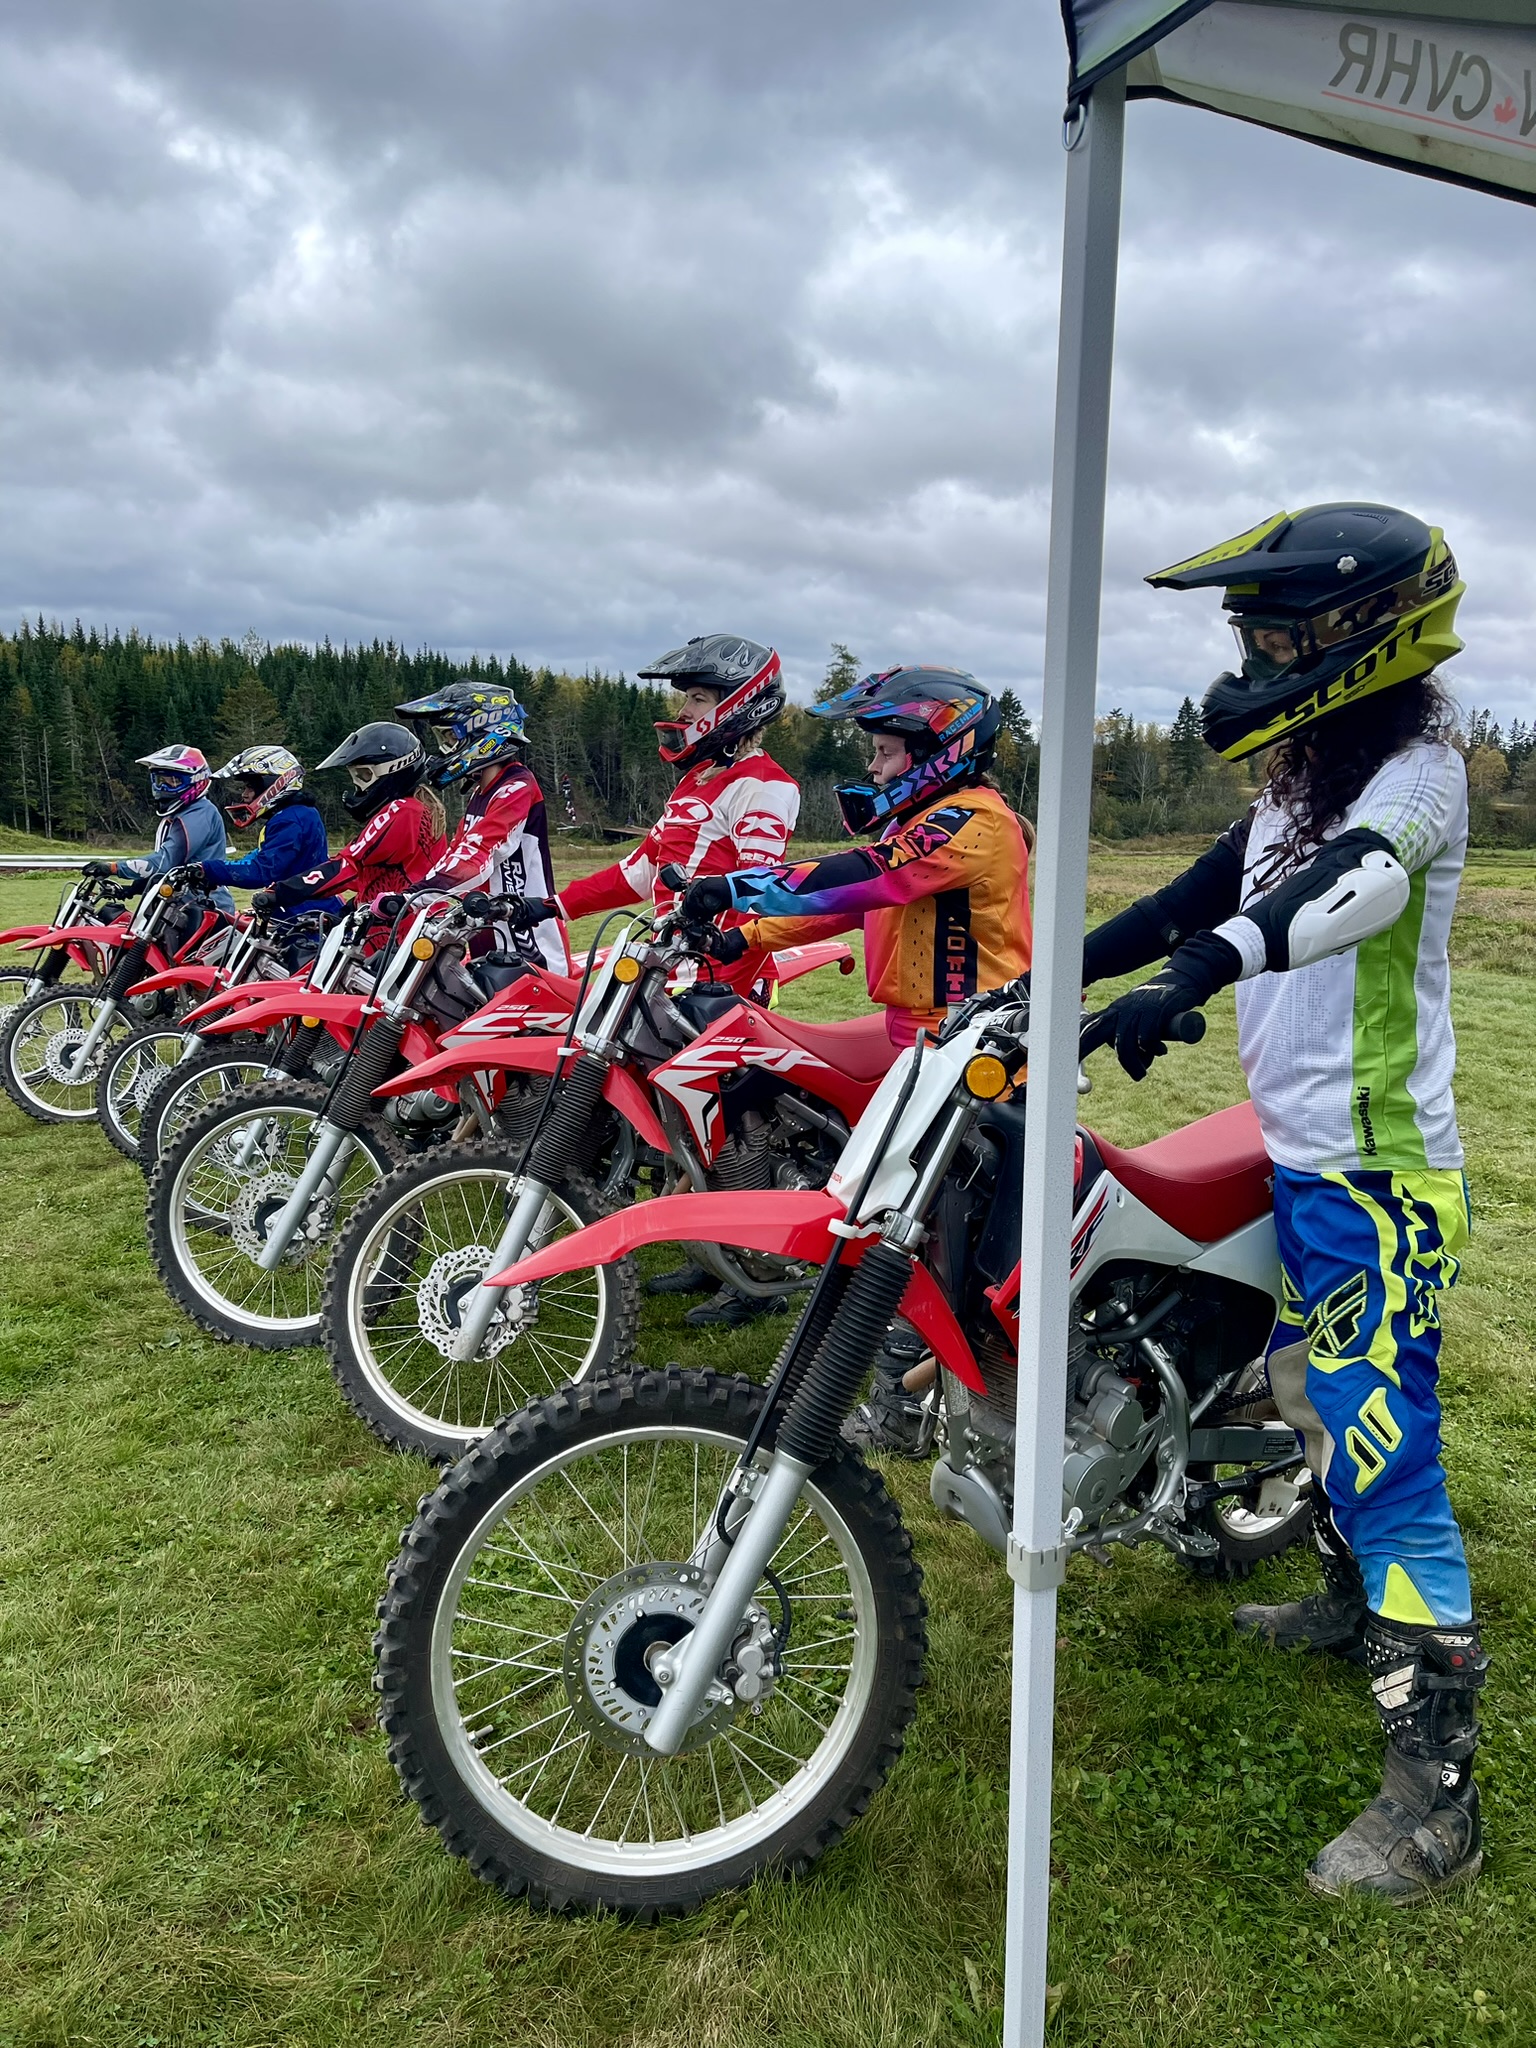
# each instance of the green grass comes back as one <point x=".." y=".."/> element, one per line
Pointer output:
<point x="201" y="1840"/>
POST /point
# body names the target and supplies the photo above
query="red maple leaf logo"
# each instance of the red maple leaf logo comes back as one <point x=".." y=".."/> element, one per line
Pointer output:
<point x="1506" y="110"/>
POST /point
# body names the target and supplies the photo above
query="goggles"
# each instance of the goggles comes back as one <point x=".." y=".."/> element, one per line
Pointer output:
<point x="1271" y="648"/>
<point x="365" y="773"/>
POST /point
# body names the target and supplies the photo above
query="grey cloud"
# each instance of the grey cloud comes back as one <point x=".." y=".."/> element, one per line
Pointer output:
<point x="568" y="327"/>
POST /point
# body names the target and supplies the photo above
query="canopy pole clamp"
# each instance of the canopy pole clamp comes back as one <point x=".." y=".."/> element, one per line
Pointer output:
<point x="1037" y="1571"/>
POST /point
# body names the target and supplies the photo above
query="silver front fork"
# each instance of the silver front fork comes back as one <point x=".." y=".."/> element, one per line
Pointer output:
<point x="105" y="1012"/>
<point x="686" y="1671"/>
<point x="484" y="1302"/>
<point x="326" y="1152"/>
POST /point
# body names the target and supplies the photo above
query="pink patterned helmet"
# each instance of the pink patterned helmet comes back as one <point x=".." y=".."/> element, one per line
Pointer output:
<point x="178" y="776"/>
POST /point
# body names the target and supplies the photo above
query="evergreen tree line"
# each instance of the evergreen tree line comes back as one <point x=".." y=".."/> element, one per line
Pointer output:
<point x="78" y="707"/>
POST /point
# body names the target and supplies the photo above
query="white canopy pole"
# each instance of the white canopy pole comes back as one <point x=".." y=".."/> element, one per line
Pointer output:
<point x="1078" y="483"/>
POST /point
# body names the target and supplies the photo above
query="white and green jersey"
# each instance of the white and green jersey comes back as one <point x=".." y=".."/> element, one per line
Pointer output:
<point x="1349" y="1061"/>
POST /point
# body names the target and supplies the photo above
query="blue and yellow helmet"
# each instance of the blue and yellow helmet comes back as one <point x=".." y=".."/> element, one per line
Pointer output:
<point x="474" y="725"/>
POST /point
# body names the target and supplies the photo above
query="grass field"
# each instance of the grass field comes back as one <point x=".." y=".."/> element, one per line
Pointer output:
<point x="201" y="1840"/>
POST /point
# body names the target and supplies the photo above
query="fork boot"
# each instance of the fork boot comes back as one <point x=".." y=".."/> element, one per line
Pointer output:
<point x="1422" y="1831"/>
<point x="1333" y="1620"/>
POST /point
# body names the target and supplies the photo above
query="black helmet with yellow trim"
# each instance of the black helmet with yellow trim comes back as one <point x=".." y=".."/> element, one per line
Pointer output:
<point x="1330" y="605"/>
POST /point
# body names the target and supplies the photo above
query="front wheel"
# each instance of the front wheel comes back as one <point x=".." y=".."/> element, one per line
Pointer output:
<point x="41" y="1045"/>
<point x="520" y="1617"/>
<point x="216" y="1194"/>
<point x="133" y="1070"/>
<point x="413" y="1255"/>
<point x="181" y="1092"/>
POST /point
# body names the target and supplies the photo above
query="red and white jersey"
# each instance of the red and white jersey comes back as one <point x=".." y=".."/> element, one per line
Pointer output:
<point x="716" y="821"/>
<point x="502" y="847"/>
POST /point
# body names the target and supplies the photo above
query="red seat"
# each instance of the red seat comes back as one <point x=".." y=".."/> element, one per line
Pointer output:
<point x="860" y="1047"/>
<point x="1206" y="1180"/>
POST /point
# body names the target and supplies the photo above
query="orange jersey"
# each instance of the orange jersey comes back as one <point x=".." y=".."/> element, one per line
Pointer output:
<point x="943" y="899"/>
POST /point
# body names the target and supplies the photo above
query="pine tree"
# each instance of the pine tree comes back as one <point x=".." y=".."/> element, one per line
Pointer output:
<point x="1186" y="749"/>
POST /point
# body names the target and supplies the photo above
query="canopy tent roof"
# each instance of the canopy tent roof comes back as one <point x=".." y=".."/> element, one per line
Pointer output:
<point x="1449" y="97"/>
<point x="1448" y="91"/>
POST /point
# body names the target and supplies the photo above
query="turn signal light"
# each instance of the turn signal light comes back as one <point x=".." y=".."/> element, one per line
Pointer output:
<point x="627" y="968"/>
<point x="167" y="891"/>
<point x="422" y="949"/>
<point x="986" y="1076"/>
<point x="310" y="1023"/>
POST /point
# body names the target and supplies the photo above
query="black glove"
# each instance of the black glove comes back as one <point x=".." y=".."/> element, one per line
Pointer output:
<point x="522" y="913"/>
<point x="1140" y="1017"/>
<point x="188" y="877"/>
<point x="264" y="902"/>
<point x="726" y="947"/>
<point x="99" y="869"/>
<point x="704" y="900"/>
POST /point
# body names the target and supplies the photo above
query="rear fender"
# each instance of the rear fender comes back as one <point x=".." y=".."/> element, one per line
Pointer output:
<point x="794" y="1224"/>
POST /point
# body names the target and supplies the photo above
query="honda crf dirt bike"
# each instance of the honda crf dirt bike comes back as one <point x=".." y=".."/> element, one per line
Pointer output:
<point x="58" y="1041"/>
<point x="690" y="1086"/>
<point x="260" y="1030"/>
<point x="661" y="1632"/>
<point x="67" y="954"/>
<point x="254" y="949"/>
<point x="244" y="1202"/>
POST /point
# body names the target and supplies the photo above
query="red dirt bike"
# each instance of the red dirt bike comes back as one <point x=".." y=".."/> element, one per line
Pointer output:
<point x="254" y="952"/>
<point x="88" y="902"/>
<point x="58" y="1041"/>
<point x="692" y="1087"/>
<point x="663" y="1631"/>
<point x="247" y="1196"/>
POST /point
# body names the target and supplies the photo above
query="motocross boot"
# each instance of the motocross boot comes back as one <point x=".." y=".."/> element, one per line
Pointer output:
<point x="689" y="1279"/>
<point x="729" y="1310"/>
<point x="1333" y="1620"/>
<point x="892" y="1420"/>
<point x="1422" y="1831"/>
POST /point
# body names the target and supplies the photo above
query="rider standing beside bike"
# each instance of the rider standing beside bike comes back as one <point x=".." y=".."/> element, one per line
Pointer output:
<point x="501" y="847"/>
<point x="733" y="807"/>
<point x="191" y="827"/>
<point x="942" y="896"/>
<point x="1330" y="906"/>
<point x="404" y="829"/>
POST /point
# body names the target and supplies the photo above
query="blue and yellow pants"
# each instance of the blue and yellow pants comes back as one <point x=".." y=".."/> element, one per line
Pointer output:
<point x="1365" y="1257"/>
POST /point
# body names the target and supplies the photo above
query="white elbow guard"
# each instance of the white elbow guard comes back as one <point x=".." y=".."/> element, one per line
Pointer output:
<point x="1360" y="903"/>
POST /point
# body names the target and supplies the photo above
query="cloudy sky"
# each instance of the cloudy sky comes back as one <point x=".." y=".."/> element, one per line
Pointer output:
<point x="570" y="327"/>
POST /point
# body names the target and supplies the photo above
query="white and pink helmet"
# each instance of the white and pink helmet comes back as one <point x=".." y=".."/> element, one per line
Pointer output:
<point x="178" y="776"/>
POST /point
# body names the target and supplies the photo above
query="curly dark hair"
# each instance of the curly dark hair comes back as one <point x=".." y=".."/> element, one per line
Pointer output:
<point x="1317" y="774"/>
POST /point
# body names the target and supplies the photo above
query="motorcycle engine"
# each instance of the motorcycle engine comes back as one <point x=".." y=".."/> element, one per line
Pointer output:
<point x="1107" y="1444"/>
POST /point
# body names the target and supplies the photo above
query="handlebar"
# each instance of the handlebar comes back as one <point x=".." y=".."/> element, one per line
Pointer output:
<point x="1184" y="1027"/>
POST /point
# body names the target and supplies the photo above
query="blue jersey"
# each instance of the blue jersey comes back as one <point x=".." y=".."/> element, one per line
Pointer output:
<point x="195" y="834"/>
<point x="292" y="841"/>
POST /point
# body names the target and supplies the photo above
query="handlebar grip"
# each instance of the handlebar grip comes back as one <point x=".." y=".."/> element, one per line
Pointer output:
<point x="674" y="877"/>
<point x="1187" y="1026"/>
<point x="478" y="905"/>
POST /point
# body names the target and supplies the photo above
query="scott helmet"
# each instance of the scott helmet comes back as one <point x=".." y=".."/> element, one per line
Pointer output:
<point x="749" y="694"/>
<point x="178" y="776"/>
<point x="948" y="721"/>
<point x="383" y="761"/>
<point x="1329" y="605"/>
<point x="266" y="775"/>
<point x="474" y="725"/>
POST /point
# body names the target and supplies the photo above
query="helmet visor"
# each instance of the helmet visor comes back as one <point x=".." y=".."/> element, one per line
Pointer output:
<point x="1271" y="648"/>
